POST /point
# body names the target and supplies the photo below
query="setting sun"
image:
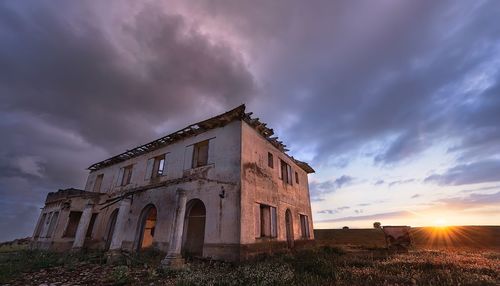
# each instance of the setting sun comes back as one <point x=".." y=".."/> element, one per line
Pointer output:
<point x="441" y="222"/>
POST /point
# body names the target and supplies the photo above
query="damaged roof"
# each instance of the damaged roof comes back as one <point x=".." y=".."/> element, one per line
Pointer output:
<point x="221" y="120"/>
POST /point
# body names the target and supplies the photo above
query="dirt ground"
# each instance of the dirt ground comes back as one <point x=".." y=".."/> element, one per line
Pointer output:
<point x="342" y="257"/>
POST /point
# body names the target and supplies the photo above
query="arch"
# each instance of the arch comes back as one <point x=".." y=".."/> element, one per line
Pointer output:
<point x="194" y="228"/>
<point x="146" y="228"/>
<point x="110" y="229"/>
<point x="289" y="228"/>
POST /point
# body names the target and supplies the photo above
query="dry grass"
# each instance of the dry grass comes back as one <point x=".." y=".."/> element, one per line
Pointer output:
<point x="318" y="266"/>
<point x="460" y="256"/>
<point x="470" y="237"/>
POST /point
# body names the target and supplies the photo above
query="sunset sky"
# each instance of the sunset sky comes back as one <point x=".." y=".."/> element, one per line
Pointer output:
<point x="396" y="104"/>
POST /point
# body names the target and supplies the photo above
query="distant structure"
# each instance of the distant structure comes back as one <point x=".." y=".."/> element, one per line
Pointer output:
<point x="397" y="237"/>
<point x="222" y="188"/>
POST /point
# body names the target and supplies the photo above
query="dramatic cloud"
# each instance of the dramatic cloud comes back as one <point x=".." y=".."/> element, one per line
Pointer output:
<point x="382" y="82"/>
<point x="471" y="201"/>
<point x="319" y="190"/>
<point x="77" y="86"/>
<point x="478" y="172"/>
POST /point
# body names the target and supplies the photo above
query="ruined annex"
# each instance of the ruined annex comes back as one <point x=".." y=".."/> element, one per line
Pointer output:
<point x="223" y="188"/>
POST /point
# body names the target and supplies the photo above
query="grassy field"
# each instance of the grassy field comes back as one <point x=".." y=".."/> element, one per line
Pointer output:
<point x="341" y="257"/>
<point x="472" y="237"/>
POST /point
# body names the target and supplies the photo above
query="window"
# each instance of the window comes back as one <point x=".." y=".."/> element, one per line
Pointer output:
<point x="285" y="172"/>
<point x="296" y="178"/>
<point x="200" y="154"/>
<point x="73" y="221"/>
<point x="52" y="225"/>
<point x="265" y="221"/>
<point x="159" y="166"/>
<point x="304" y="226"/>
<point x="270" y="160"/>
<point x="40" y="225"/>
<point x="156" y="167"/>
<point x="98" y="183"/>
<point x="127" y="175"/>
<point x="91" y="225"/>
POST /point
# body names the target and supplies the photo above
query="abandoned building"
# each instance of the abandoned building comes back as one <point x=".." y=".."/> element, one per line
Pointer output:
<point x="222" y="188"/>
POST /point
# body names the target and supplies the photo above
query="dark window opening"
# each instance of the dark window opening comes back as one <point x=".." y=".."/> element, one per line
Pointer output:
<point x="296" y="178"/>
<point x="200" y="154"/>
<point x="98" y="183"/>
<point x="304" y="226"/>
<point x="91" y="226"/>
<point x="40" y="225"/>
<point x="52" y="225"/>
<point x="286" y="172"/>
<point x="270" y="160"/>
<point x="159" y="166"/>
<point x="266" y="221"/>
<point x="74" y="220"/>
<point x="127" y="175"/>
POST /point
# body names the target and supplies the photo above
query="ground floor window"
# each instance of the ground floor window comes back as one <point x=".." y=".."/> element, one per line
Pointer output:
<point x="40" y="226"/>
<point x="52" y="225"/>
<point x="265" y="221"/>
<point x="91" y="226"/>
<point x="304" y="226"/>
<point x="73" y="221"/>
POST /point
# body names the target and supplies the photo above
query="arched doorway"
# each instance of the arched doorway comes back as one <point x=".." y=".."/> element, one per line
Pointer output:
<point x="146" y="228"/>
<point x="289" y="228"/>
<point x="110" y="229"/>
<point x="194" y="229"/>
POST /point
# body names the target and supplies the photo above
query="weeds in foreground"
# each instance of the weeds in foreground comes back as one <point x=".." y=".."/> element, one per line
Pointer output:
<point x="13" y="264"/>
<point x="320" y="266"/>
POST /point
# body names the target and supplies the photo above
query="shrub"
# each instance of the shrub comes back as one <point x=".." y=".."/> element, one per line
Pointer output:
<point x="120" y="275"/>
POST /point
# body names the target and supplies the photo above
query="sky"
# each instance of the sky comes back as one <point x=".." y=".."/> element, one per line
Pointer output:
<point x="396" y="104"/>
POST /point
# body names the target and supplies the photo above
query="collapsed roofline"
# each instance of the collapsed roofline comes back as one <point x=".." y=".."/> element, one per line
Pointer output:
<point x="221" y="120"/>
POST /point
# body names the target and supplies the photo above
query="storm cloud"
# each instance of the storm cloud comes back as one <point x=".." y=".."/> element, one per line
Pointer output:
<point x="75" y="89"/>
<point x="337" y="80"/>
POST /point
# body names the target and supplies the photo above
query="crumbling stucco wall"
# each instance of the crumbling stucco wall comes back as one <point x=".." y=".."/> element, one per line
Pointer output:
<point x="261" y="184"/>
<point x="217" y="185"/>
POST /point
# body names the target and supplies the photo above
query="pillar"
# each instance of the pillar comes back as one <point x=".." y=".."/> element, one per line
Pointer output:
<point x="83" y="226"/>
<point x="174" y="257"/>
<point x="121" y="221"/>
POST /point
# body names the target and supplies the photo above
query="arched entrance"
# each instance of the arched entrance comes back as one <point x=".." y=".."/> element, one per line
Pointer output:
<point x="146" y="228"/>
<point x="289" y="228"/>
<point x="110" y="229"/>
<point x="194" y="229"/>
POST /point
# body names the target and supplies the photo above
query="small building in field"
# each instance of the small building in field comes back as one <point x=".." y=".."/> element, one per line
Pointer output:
<point x="222" y="188"/>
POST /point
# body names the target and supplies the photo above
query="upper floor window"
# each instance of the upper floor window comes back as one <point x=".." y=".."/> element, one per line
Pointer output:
<point x="126" y="175"/>
<point x="98" y="183"/>
<point x="285" y="172"/>
<point x="200" y="154"/>
<point x="270" y="160"/>
<point x="156" y="167"/>
<point x="296" y="178"/>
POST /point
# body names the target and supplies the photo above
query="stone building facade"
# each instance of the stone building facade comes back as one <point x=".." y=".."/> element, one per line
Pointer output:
<point x="222" y="188"/>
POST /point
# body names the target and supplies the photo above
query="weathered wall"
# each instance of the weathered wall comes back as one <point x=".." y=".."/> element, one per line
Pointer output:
<point x="261" y="184"/>
<point x="236" y="178"/>
<point x="204" y="183"/>
<point x="57" y="241"/>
